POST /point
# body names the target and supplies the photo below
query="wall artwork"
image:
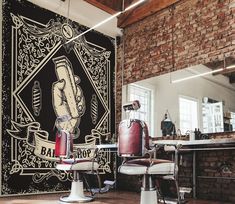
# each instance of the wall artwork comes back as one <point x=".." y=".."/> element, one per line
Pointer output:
<point x="43" y="78"/>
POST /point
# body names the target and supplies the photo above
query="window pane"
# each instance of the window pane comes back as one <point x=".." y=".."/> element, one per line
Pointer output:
<point x="136" y="92"/>
<point x="233" y="120"/>
<point x="188" y="114"/>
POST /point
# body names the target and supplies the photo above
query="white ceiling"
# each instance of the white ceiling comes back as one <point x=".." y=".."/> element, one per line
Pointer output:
<point x="83" y="13"/>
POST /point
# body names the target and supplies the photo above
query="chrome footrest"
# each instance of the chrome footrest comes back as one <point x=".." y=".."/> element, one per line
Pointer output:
<point x="171" y="201"/>
<point x="182" y="191"/>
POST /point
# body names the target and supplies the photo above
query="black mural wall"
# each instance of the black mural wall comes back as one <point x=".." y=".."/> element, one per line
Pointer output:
<point x="36" y="90"/>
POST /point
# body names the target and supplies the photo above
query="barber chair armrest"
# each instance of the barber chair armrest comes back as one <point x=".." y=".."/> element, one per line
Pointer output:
<point x="168" y="147"/>
<point x="172" y="147"/>
<point x="151" y="152"/>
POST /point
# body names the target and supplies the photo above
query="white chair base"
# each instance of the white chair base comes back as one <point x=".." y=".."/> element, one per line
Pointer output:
<point x="76" y="194"/>
<point x="148" y="197"/>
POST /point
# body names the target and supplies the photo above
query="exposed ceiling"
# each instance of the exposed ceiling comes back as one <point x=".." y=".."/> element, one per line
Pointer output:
<point x="81" y="12"/>
<point x="92" y="12"/>
<point x="111" y="6"/>
<point x="145" y="9"/>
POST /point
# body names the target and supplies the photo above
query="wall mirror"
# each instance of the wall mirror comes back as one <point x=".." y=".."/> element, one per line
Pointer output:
<point x="195" y="97"/>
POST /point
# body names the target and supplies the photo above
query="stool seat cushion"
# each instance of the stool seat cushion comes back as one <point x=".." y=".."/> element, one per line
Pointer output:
<point x="79" y="164"/>
<point x="162" y="168"/>
<point x="132" y="169"/>
<point x="147" y="166"/>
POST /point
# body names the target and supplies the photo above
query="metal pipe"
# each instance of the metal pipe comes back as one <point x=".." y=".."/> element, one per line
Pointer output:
<point x="216" y="177"/>
<point x="206" y="149"/>
<point x="75" y="176"/>
<point x="194" y="176"/>
<point x="144" y="186"/>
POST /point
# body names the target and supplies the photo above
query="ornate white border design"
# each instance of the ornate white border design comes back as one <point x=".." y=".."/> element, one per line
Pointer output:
<point x="33" y="45"/>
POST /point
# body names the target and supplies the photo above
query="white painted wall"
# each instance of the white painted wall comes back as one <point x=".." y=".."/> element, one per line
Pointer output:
<point x="167" y="94"/>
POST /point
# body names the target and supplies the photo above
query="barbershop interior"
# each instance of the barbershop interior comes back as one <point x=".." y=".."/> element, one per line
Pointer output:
<point x="136" y="105"/>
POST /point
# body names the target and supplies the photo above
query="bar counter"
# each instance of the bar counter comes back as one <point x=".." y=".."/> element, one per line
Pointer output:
<point x="196" y="147"/>
<point x="221" y="142"/>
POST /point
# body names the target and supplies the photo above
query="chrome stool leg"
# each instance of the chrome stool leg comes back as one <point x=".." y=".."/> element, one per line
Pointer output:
<point x="77" y="192"/>
<point x="148" y="191"/>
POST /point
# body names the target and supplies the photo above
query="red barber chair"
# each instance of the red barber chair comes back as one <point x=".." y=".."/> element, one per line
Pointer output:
<point x="69" y="162"/>
<point x="133" y="146"/>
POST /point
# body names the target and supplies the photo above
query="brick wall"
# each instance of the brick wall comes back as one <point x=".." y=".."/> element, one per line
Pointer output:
<point x="196" y="31"/>
<point x="214" y="181"/>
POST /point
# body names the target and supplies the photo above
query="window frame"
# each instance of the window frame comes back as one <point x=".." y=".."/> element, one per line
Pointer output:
<point x="150" y="101"/>
<point x="197" y="112"/>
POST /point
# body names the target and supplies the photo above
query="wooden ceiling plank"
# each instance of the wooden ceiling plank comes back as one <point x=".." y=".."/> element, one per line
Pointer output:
<point x="147" y="8"/>
<point x="101" y="6"/>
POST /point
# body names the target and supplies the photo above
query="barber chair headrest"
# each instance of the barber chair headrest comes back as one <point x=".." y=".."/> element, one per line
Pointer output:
<point x="135" y="105"/>
<point x="133" y="138"/>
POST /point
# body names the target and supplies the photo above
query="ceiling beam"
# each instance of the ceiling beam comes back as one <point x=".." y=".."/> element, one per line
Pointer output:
<point x="228" y="64"/>
<point x="101" y="6"/>
<point x="229" y="61"/>
<point x="225" y="71"/>
<point x="147" y="8"/>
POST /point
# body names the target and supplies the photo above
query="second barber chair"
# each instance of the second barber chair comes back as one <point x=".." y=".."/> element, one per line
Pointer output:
<point x="133" y="146"/>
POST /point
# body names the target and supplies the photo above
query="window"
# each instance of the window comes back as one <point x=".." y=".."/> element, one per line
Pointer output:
<point x="188" y="110"/>
<point x="232" y="120"/>
<point x="144" y="96"/>
<point x="212" y="117"/>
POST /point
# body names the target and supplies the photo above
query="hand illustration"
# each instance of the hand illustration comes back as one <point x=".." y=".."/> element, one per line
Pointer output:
<point x="63" y="108"/>
<point x="67" y="97"/>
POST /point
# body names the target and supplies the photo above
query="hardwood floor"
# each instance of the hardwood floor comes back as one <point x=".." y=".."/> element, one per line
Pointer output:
<point x="112" y="197"/>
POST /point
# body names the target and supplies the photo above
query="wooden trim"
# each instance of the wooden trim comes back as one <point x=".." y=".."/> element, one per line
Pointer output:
<point x="101" y="6"/>
<point x="147" y="8"/>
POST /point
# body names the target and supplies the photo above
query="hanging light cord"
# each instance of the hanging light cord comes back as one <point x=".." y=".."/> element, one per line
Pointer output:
<point x="123" y="49"/>
<point x="172" y="34"/>
<point x="172" y="41"/>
